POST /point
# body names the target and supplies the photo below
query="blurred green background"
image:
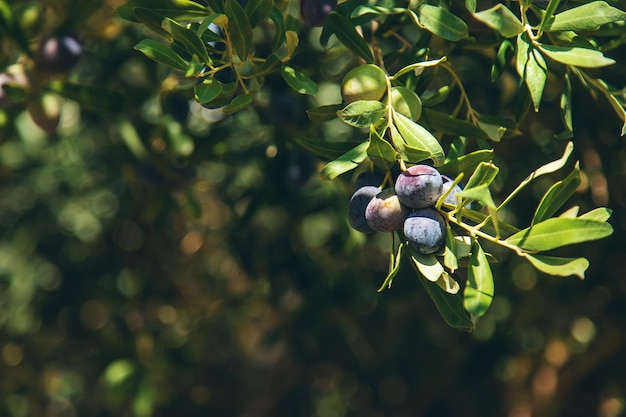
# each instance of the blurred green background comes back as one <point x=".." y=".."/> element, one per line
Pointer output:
<point x="162" y="259"/>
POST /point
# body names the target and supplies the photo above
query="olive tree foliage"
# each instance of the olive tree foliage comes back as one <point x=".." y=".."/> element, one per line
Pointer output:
<point x="417" y="46"/>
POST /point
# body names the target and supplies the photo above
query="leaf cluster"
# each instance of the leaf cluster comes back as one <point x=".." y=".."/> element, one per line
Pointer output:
<point x="202" y="41"/>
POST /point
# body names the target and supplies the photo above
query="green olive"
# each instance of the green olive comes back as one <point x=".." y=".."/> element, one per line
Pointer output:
<point x="365" y="82"/>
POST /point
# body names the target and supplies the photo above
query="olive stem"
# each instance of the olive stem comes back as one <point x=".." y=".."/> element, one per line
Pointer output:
<point x="475" y="232"/>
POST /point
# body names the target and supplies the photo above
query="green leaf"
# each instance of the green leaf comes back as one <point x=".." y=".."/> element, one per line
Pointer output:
<point x="450" y="306"/>
<point x="556" y="196"/>
<point x="270" y="65"/>
<point x="450" y="259"/>
<point x="216" y="5"/>
<point x="161" y="53"/>
<point x="239" y="29"/>
<point x="548" y="16"/>
<point x="418" y="138"/>
<point x="238" y="103"/>
<point x="589" y="16"/>
<point x="193" y="44"/>
<point x="298" y="81"/>
<point x="394" y="267"/>
<point x="470" y="5"/>
<point x="572" y="213"/>
<point x="545" y="169"/>
<point x="362" y="113"/>
<point x="580" y="57"/>
<point x="532" y="68"/>
<point x="207" y="91"/>
<point x="466" y="163"/>
<point x="506" y="51"/>
<point x="346" y="162"/>
<point x="556" y="232"/>
<point x="448" y="284"/>
<point x="203" y="28"/>
<point x="451" y="125"/>
<point x="380" y="152"/>
<point x="327" y="150"/>
<point x="418" y="67"/>
<point x="566" y="109"/>
<point x="600" y="214"/>
<point x="279" y="27"/>
<point x="561" y="267"/>
<point x="175" y="9"/>
<point x="152" y="21"/>
<point x="257" y="10"/>
<point x="478" y="293"/>
<point x="14" y="93"/>
<point x="501" y="19"/>
<point x="347" y="35"/>
<point x="484" y="174"/>
<point x="427" y="265"/>
<point x="324" y="113"/>
<point x="441" y="22"/>
<point x="437" y="97"/>
<point x="374" y="10"/>
<point x="10" y="26"/>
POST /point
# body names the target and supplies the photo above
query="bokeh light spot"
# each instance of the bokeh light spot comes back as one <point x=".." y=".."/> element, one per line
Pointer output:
<point x="12" y="354"/>
<point x="94" y="314"/>
<point x="583" y="330"/>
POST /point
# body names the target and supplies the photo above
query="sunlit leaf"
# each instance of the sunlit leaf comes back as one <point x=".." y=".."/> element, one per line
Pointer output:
<point x="448" y="284"/>
<point x="557" y="195"/>
<point x="380" y="152"/>
<point x="600" y="214"/>
<point x="561" y="267"/>
<point x="556" y="232"/>
<point x="298" y="81"/>
<point x="588" y="16"/>
<point x="417" y="137"/>
<point x="466" y="163"/>
<point x="449" y="256"/>
<point x="532" y="68"/>
<point x="501" y="19"/>
<point x="580" y="57"/>
<point x="484" y="174"/>
<point x="427" y="265"/>
<point x="441" y="22"/>
<point x="418" y="67"/>
<point x="346" y="162"/>
<point x="543" y="170"/>
<point x="362" y="113"/>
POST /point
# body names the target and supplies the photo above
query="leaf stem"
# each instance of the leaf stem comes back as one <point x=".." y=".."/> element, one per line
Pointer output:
<point x="474" y="232"/>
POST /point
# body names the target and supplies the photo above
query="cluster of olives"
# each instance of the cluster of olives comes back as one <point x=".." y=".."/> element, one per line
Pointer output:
<point x="407" y="206"/>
